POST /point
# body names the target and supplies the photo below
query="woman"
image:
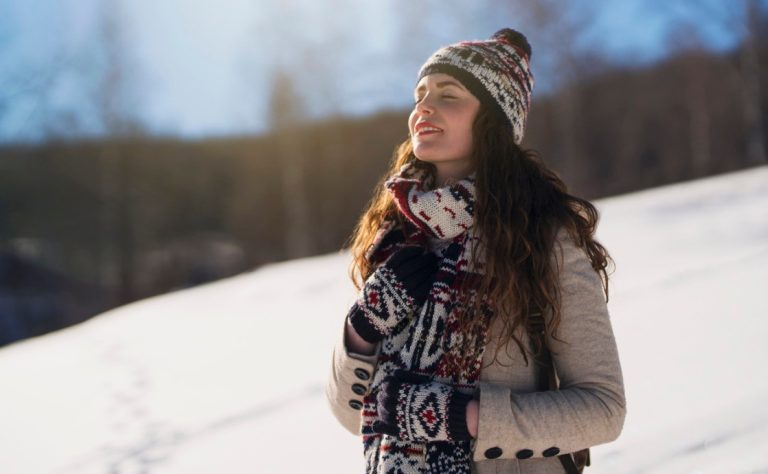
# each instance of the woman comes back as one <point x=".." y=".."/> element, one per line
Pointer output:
<point x="467" y="238"/>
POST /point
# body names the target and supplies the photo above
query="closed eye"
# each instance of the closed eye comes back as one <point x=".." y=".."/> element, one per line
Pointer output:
<point x="444" y="96"/>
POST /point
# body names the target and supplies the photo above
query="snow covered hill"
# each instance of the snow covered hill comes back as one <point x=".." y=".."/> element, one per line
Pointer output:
<point x="228" y="377"/>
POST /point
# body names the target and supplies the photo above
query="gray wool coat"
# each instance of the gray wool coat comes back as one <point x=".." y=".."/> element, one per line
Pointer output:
<point x="521" y="430"/>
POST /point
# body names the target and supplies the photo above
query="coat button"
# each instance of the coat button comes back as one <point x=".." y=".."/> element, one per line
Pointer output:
<point x="549" y="452"/>
<point x="356" y="404"/>
<point x="524" y="454"/>
<point x="493" y="453"/>
<point x="359" y="389"/>
<point x="362" y="374"/>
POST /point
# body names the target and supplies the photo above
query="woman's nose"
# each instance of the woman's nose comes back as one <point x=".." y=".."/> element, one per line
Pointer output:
<point x="424" y="106"/>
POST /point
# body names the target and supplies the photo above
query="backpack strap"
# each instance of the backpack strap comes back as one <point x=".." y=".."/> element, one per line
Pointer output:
<point x="546" y="380"/>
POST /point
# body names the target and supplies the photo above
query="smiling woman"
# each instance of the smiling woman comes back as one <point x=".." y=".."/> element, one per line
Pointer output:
<point x="476" y="267"/>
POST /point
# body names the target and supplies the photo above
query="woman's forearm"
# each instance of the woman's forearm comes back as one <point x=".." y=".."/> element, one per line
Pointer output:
<point x="357" y="344"/>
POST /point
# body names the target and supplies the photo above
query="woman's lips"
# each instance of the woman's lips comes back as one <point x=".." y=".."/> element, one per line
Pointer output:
<point x="427" y="130"/>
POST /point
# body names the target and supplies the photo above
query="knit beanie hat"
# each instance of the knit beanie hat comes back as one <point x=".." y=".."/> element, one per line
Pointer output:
<point x="496" y="71"/>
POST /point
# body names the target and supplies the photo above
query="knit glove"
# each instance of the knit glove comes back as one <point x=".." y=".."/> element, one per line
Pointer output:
<point x="398" y="286"/>
<point x="411" y="407"/>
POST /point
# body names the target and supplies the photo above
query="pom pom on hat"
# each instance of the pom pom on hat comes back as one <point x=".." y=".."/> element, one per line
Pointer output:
<point x="514" y="37"/>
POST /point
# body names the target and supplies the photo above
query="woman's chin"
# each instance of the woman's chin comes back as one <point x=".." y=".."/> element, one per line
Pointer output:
<point x="432" y="158"/>
<point x="427" y="153"/>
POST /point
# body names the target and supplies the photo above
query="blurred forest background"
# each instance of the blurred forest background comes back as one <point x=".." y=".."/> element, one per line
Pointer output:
<point x="100" y="208"/>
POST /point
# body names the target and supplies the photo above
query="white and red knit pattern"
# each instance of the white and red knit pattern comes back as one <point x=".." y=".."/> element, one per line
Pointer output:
<point x="443" y="213"/>
<point x="420" y="347"/>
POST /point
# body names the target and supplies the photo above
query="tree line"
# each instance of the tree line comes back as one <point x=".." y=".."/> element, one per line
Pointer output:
<point x="88" y="225"/>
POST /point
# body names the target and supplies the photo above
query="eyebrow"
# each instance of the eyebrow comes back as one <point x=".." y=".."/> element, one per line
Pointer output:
<point x="440" y="84"/>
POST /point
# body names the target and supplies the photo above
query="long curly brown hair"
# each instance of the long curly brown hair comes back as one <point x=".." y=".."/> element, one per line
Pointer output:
<point x="520" y="205"/>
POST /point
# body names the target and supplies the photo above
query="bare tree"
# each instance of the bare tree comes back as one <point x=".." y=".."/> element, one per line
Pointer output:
<point x="285" y="113"/>
<point x="751" y="93"/>
<point x="115" y="97"/>
<point x="25" y="81"/>
<point x="742" y="17"/>
<point x="557" y="28"/>
<point x="685" y="42"/>
<point x="424" y="26"/>
<point x="301" y="77"/>
<point x="117" y="90"/>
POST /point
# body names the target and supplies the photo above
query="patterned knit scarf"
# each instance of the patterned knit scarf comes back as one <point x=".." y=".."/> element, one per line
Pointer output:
<point x="442" y="216"/>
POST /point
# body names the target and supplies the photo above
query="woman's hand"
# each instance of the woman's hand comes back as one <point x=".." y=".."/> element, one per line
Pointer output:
<point x="397" y="287"/>
<point x="413" y="408"/>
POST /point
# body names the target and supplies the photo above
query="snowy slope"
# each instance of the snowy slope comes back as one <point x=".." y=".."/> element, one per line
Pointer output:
<point x="229" y="377"/>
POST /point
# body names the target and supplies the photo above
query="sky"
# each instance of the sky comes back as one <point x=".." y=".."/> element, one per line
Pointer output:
<point x="229" y="376"/>
<point x="203" y="68"/>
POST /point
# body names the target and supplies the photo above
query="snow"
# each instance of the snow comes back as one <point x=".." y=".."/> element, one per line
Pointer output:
<point x="228" y="377"/>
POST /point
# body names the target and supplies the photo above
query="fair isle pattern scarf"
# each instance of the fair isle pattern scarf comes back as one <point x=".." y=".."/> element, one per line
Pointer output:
<point x="424" y="346"/>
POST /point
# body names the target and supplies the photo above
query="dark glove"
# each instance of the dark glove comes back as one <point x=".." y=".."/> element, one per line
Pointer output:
<point x="411" y="407"/>
<point x="398" y="286"/>
<point x="415" y="269"/>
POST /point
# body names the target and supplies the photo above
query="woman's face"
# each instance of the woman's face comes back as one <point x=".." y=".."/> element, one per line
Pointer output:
<point x="441" y="124"/>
